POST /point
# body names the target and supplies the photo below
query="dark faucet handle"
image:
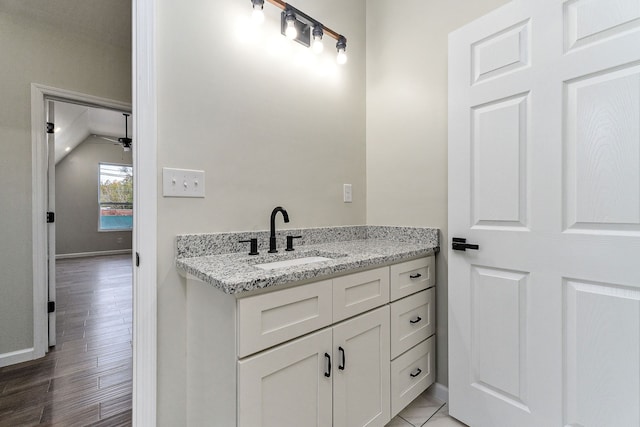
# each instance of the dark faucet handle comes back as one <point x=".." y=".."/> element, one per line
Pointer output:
<point x="290" y="242"/>
<point x="254" y="245"/>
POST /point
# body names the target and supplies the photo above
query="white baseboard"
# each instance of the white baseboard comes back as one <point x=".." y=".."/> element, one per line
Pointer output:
<point x="439" y="392"/>
<point x="14" y="357"/>
<point x="97" y="253"/>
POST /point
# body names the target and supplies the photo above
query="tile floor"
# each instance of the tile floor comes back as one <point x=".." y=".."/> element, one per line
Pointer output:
<point x="425" y="411"/>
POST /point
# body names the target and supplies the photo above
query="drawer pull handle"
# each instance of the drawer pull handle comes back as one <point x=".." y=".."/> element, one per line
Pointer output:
<point x="344" y="359"/>
<point x="415" y="373"/>
<point x="415" y="276"/>
<point x="328" y="373"/>
<point x="416" y="320"/>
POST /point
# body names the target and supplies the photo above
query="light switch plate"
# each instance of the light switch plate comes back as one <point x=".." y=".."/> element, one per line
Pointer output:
<point x="347" y="193"/>
<point x="182" y="183"/>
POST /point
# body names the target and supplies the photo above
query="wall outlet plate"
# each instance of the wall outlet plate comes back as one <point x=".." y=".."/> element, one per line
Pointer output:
<point x="182" y="183"/>
<point x="347" y="193"/>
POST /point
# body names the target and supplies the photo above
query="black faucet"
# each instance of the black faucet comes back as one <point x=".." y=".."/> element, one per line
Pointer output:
<point x="272" y="236"/>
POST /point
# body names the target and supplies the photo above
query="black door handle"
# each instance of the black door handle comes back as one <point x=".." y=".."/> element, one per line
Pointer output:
<point x="415" y="373"/>
<point x="328" y="373"/>
<point x="459" y="244"/>
<point x="415" y="276"/>
<point x="344" y="359"/>
<point x="417" y="319"/>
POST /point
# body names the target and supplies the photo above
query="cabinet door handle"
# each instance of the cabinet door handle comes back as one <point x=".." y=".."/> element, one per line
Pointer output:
<point x="328" y="373"/>
<point x="416" y="320"/>
<point x="415" y="373"/>
<point x="415" y="276"/>
<point x="344" y="359"/>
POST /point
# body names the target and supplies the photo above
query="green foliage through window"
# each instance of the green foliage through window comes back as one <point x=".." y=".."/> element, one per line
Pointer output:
<point x="115" y="197"/>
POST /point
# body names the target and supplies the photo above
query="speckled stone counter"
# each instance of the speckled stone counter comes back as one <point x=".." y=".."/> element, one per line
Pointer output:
<point x="352" y="249"/>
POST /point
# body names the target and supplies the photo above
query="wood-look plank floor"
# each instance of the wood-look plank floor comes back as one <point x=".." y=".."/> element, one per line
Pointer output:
<point x="86" y="379"/>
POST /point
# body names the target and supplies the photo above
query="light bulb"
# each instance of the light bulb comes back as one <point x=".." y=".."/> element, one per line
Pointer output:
<point x="258" y="15"/>
<point x="342" y="47"/>
<point x="342" y="57"/>
<point x="317" y="38"/>
<point x="291" y="31"/>
<point x="317" y="44"/>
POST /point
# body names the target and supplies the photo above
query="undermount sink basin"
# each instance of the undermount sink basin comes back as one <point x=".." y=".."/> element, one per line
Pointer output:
<point x="291" y="262"/>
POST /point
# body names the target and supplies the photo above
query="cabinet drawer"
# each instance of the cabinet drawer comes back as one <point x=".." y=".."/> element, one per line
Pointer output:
<point x="413" y="319"/>
<point x="412" y="276"/>
<point x="359" y="292"/>
<point x="411" y="374"/>
<point x="269" y="319"/>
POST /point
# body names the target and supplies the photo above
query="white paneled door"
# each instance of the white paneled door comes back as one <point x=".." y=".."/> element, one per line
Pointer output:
<point x="544" y="176"/>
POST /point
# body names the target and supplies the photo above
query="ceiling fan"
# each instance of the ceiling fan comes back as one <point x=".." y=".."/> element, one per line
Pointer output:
<point x="126" y="141"/>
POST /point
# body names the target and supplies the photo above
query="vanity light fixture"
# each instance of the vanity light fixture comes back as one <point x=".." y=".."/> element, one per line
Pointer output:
<point x="300" y="27"/>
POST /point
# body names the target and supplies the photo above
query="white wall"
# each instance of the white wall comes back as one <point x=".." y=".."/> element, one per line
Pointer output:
<point x="267" y="129"/>
<point x="77" y="199"/>
<point x="407" y="121"/>
<point x="34" y="51"/>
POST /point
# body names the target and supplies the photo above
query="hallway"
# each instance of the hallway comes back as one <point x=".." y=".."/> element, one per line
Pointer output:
<point x="87" y="378"/>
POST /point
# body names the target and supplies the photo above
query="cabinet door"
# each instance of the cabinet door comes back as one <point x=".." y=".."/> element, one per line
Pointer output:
<point x="358" y="292"/>
<point x="287" y="386"/>
<point x="361" y="390"/>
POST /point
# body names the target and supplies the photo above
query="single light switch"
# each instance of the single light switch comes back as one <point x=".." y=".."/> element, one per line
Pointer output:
<point x="182" y="183"/>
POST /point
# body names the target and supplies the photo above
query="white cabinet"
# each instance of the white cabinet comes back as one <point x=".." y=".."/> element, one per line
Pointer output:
<point x="294" y="384"/>
<point x="344" y="352"/>
<point x="361" y="376"/>
<point x="287" y="386"/>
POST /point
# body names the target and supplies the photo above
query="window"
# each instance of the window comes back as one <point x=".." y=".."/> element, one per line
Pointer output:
<point x="115" y="197"/>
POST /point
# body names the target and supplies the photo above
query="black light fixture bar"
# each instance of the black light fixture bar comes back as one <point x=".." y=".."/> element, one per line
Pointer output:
<point x="306" y="20"/>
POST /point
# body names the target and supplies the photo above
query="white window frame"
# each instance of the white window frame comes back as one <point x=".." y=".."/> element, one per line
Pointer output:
<point x="109" y="230"/>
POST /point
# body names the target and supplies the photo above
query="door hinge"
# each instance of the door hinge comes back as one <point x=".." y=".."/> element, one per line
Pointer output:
<point x="51" y="217"/>
<point x="50" y="127"/>
<point x="137" y="259"/>
<point x="51" y="307"/>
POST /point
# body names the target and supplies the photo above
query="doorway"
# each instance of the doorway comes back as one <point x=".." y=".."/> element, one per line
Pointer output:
<point x="90" y="189"/>
<point x="87" y="376"/>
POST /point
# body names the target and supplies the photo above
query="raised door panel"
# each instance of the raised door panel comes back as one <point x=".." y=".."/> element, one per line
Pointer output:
<point x="602" y="354"/>
<point x="499" y="164"/>
<point x="270" y="319"/>
<point x="501" y="53"/>
<point x="359" y="292"/>
<point x="589" y="21"/>
<point x="602" y="152"/>
<point x="412" y="276"/>
<point x="499" y="335"/>
<point x="413" y="319"/>
<point x="287" y="386"/>
<point x="361" y="378"/>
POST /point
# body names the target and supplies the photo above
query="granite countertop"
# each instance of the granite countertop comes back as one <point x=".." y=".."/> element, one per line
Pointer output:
<point x="234" y="273"/>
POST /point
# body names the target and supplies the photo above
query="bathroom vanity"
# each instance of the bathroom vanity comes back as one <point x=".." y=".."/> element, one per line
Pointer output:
<point x="346" y="340"/>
